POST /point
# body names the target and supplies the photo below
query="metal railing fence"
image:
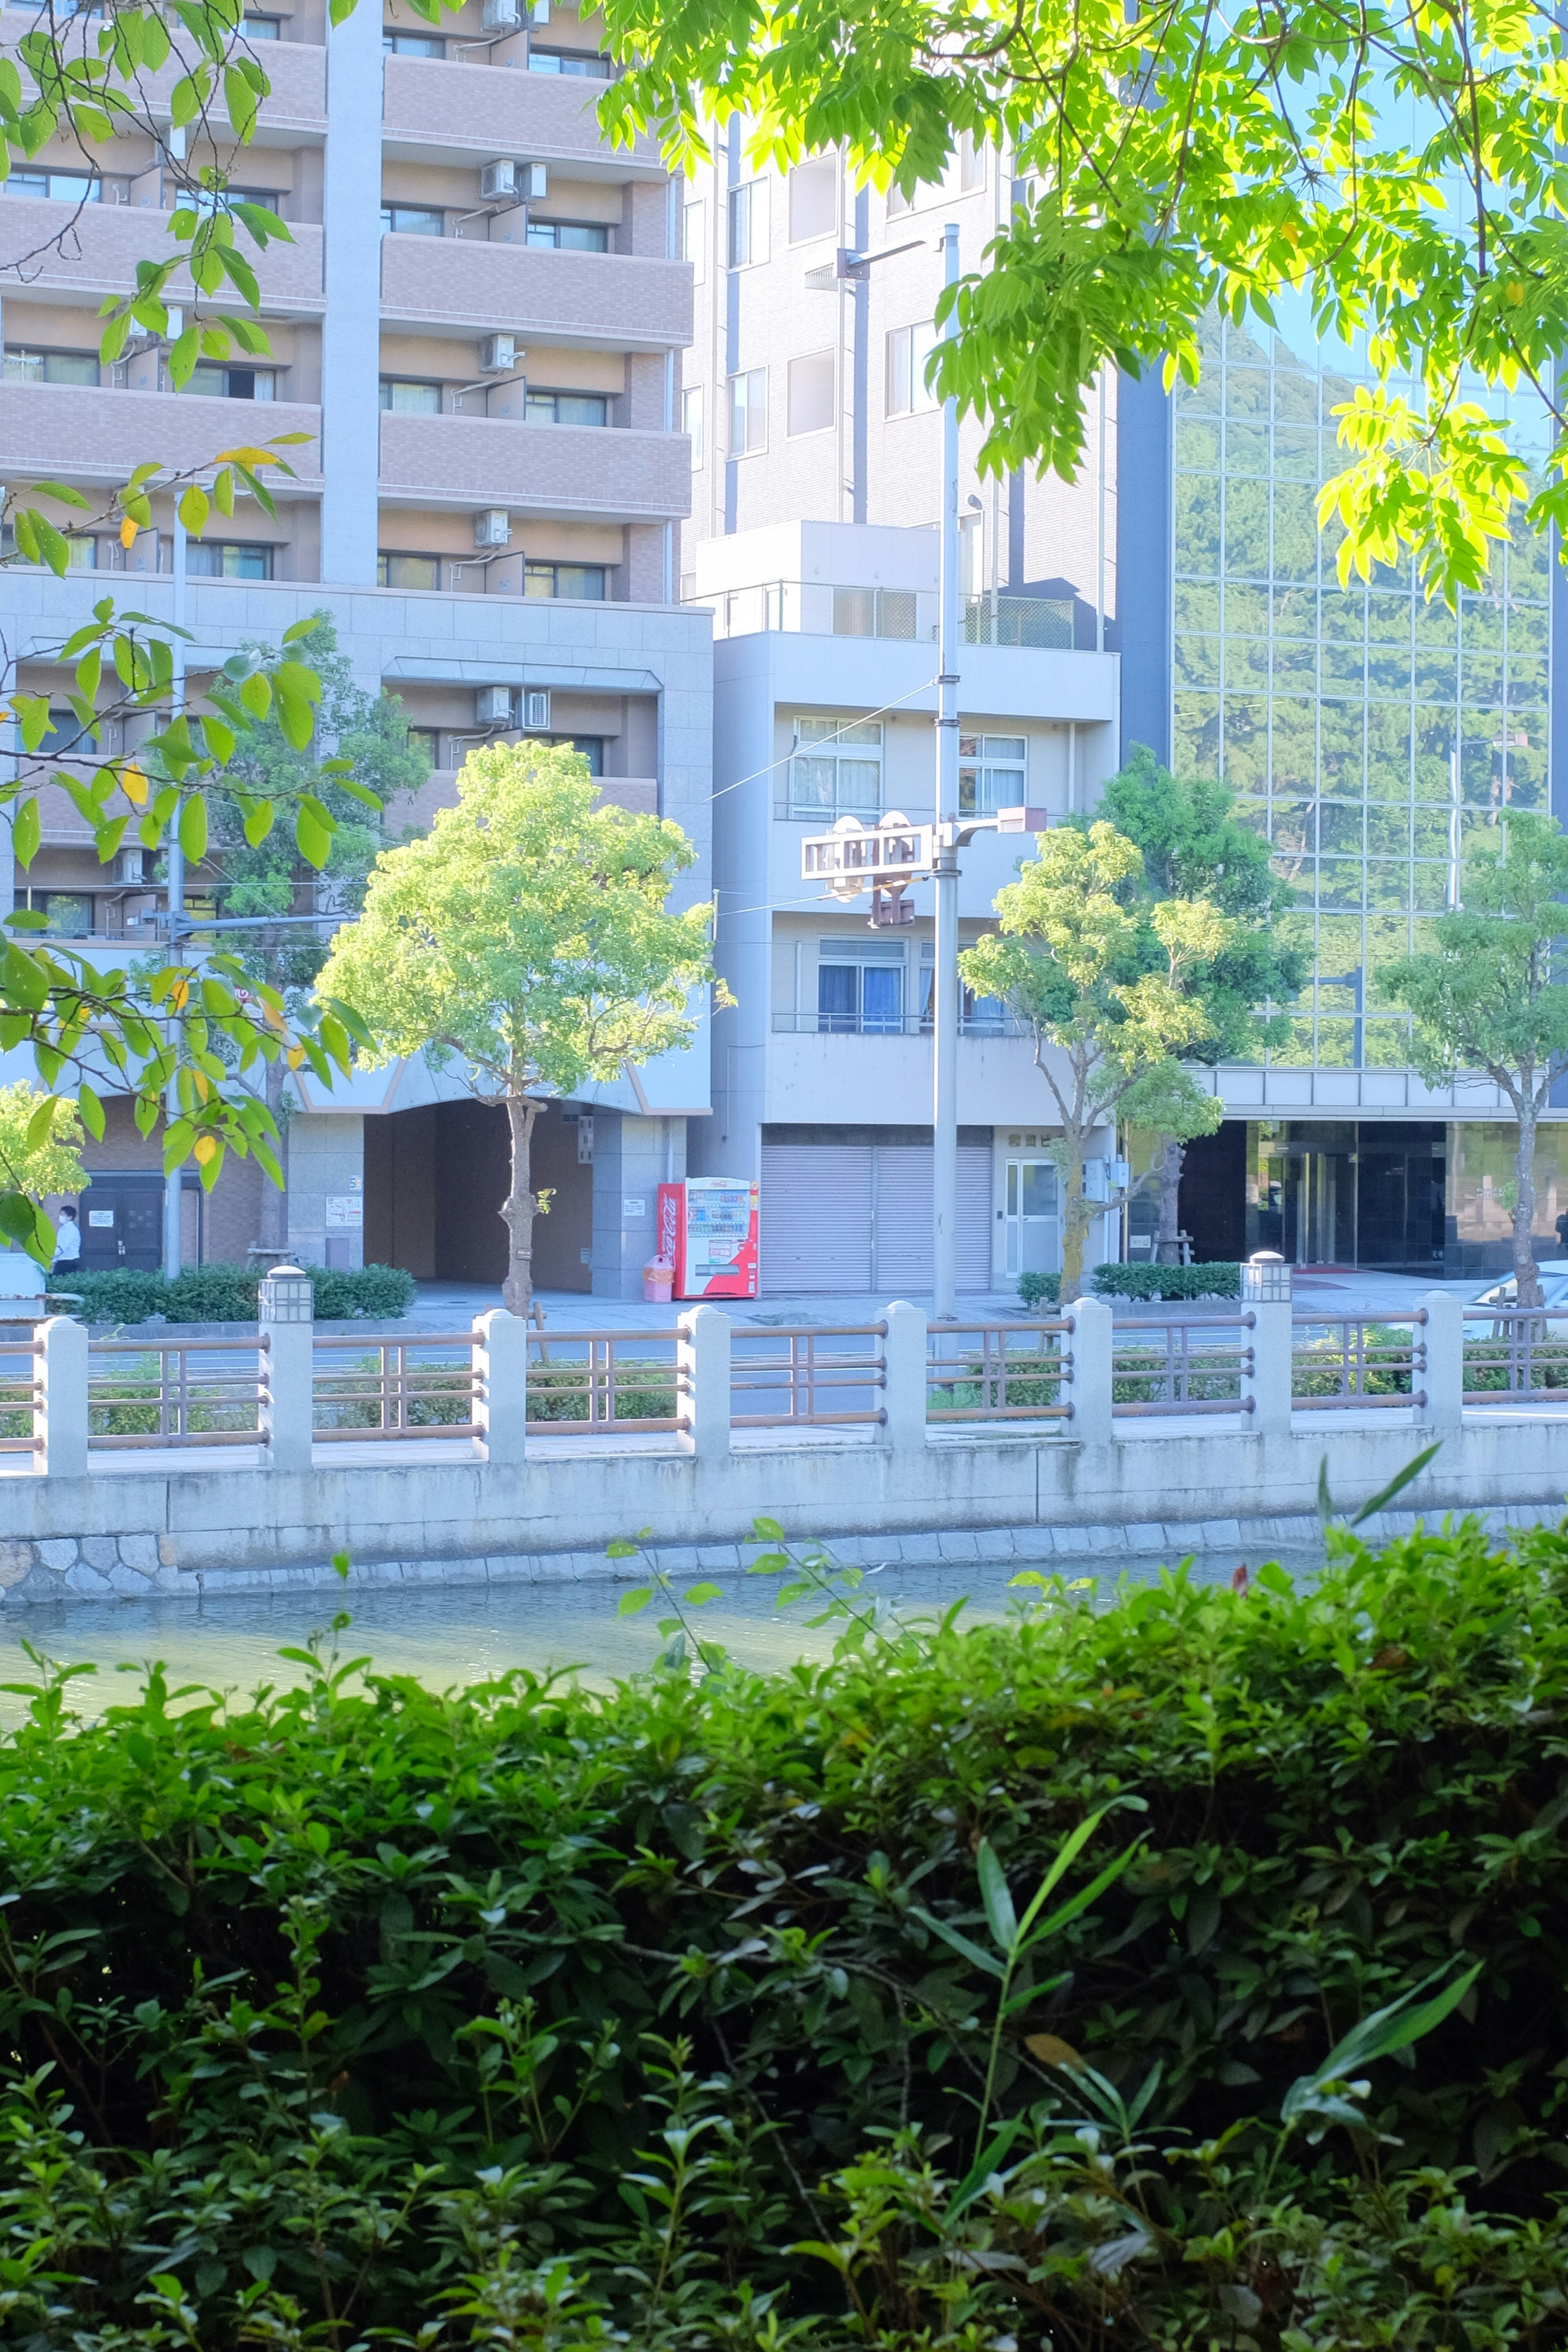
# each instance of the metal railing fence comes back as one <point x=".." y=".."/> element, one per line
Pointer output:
<point x="807" y="1376"/>
<point x="1177" y="1364"/>
<point x="175" y="1392"/>
<point x="1363" y="1361"/>
<point x="999" y="1371"/>
<point x="1520" y="1351"/>
<point x="377" y="1387"/>
<point x="603" y="1382"/>
<point x="20" y="1396"/>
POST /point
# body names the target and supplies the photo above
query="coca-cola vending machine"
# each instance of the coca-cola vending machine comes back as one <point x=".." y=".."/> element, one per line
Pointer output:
<point x="708" y="1232"/>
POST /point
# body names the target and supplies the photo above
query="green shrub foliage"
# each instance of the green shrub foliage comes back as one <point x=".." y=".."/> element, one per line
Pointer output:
<point x="705" y="2014"/>
<point x="1219" y="1280"/>
<point x="226" y="1294"/>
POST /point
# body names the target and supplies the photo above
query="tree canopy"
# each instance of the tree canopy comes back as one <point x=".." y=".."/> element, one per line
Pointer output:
<point x="1491" y="993"/>
<point x="1400" y="173"/>
<point x="527" y="939"/>
<point x="1104" y="979"/>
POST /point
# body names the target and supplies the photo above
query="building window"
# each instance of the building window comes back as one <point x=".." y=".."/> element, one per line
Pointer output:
<point x="814" y="199"/>
<point x="209" y="202"/>
<point x="49" y="367"/>
<point x="837" y="770"/>
<point x="585" y="580"/>
<point x="228" y="559"/>
<point x="694" y="240"/>
<point x="68" y="914"/>
<point x="747" y="223"/>
<point x="908" y="349"/>
<point x="860" y="988"/>
<point x="413" y="220"/>
<point x="232" y="383"/>
<point x="810" y="392"/>
<point x="691" y="423"/>
<point x="570" y="237"/>
<point x="402" y="398"/>
<point x="267" y="28"/>
<point x="592" y="747"/>
<point x="747" y="413"/>
<point x="566" y="407"/>
<point x="68" y="735"/>
<point x="57" y="188"/>
<point x="993" y="773"/>
<point x="413" y="45"/>
<point x="408" y="572"/>
<point x="583" y="64"/>
<point x="429" y="741"/>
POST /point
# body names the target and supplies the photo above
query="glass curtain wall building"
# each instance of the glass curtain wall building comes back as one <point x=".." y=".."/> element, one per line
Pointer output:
<point x="1370" y="736"/>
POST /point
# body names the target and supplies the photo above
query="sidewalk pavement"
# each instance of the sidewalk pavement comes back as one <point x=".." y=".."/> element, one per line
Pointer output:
<point x="1337" y="1290"/>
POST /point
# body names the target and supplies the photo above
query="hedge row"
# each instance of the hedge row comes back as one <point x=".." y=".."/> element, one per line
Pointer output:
<point x="226" y="1294"/>
<point x="1220" y="1280"/>
<point x="693" y="2015"/>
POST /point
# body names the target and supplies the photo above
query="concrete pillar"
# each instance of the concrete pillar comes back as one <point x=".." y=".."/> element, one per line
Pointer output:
<point x="288" y="1394"/>
<point x="1444" y="1379"/>
<point x="501" y="1360"/>
<point x="1270" y="1385"/>
<point x="351" y="327"/>
<point x="1089" y="1390"/>
<point x="704" y="1360"/>
<point x="905" y="1393"/>
<point x="60" y="1416"/>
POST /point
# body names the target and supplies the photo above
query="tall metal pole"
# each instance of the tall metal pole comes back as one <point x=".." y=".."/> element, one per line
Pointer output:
<point x="173" y="1182"/>
<point x="945" y="1001"/>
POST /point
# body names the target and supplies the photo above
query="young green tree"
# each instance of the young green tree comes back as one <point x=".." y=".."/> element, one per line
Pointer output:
<point x="370" y="733"/>
<point x="1401" y="168"/>
<point x="1492" y="994"/>
<point x="527" y="939"/>
<point x="34" y="1163"/>
<point x="1194" y="848"/>
<point x="1072" y="958"/>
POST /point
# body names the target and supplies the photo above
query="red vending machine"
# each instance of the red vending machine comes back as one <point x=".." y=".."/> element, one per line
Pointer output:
<point x="708" y="1232"/>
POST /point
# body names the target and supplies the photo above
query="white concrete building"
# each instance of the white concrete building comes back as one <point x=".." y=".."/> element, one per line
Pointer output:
<point x="479" y="325"/>
<point x="817" y="488"/>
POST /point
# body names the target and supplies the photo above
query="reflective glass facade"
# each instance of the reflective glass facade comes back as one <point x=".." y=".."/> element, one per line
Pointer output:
<point x="1365" y="731"/>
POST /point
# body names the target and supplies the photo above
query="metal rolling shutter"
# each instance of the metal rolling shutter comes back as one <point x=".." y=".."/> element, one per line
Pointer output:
<point x="902" y="1261"/>
<point x="816" y="1218"/>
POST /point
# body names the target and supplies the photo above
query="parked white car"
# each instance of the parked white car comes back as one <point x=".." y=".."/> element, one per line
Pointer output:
<point x="1553" y="1273"/>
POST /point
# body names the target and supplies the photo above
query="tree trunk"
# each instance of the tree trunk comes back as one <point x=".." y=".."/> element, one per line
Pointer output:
<point x="520" y="1207"/>
<point x="1168" y="1240"/>
<point x="1525" y="1276"/>
<point x="272" y="1218"/>
<point x="1076" y="1217"/>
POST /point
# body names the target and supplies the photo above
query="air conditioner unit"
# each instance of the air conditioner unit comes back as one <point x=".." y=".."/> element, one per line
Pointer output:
<point x="536" y="710"/>
<point x="493" y="528"/>
<point x="492" y="706"/>
<point x="500" y="180"/>
<point x="503" y="15"/>
<point x="536" y="180"/>
<point x="498" y="354"/>
<point x="128" y="866"/>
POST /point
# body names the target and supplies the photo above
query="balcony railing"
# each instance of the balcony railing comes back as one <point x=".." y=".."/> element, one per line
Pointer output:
<point x="998" y="1024"/>
<point x="905" y="615"/>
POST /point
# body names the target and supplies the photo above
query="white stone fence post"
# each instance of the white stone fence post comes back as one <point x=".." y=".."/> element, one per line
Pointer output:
<point x="286" y="1332"/>
<point x="59" y="1417"/>
<point x="1267" y="1384"/>
<point x="500" y="1366"/>
<point x="1444" y="1379"/>
<point x="702" y="1358"/>
<point x="1088" y="1389"/>
<point x="904" y="1376"/>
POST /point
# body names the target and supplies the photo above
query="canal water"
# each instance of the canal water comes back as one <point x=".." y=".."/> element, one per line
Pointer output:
<point x="462" y="1633"/>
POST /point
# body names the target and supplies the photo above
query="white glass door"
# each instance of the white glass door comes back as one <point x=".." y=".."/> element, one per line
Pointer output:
<point x="1032" y="1217"/>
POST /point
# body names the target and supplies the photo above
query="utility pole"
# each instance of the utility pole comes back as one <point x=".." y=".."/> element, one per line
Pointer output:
<point x="173" y="1182"/>
<point x="945" y="1000"/>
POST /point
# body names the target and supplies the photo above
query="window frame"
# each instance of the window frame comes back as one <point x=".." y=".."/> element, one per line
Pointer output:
<point x="794" y="432"/>
<point x="694" y="247"/>
<point x="264" y="548"/>
<point x="431" y="212"/>
<point x="747" y="376"/>
<point x="387" y="383"/>
<point x="834" y="168"/>
<point x="748" y="203"/>
<point x="692" y="402"/>
<point x="555" y="566"/>
<point x="387" y="556"/>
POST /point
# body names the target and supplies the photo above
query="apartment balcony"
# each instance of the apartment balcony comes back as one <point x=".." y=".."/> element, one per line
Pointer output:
<point x="907" y="615"/>
<point x="545" y="469"/>
<point x="90" y="435"/>
<point x="500" y="110"/>
<point x="603" y="301"/>
<point x="105" y="242"/>
<point x="872" y="1078"/>
<point x="296" y="70"/>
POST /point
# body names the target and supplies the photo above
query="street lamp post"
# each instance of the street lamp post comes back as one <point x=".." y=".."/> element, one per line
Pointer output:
<point x="173" y="1182"/>
<point x="944" y="999"/>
